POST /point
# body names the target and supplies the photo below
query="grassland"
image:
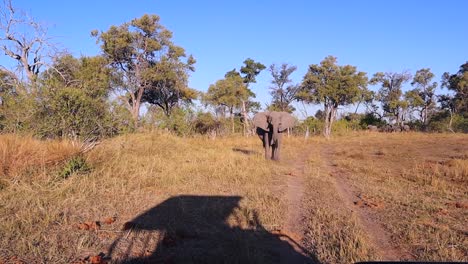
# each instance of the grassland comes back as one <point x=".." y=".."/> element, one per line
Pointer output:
<point x="155" y="196"/>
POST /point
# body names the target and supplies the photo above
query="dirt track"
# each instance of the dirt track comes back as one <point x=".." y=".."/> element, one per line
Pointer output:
<point x="357" y="204"/>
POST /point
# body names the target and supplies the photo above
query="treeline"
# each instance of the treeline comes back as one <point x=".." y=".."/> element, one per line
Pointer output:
<point x="54" y="94"/>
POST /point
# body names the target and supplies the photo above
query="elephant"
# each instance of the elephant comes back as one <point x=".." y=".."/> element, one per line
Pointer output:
<point x="386" y="128"/>
<point x="270" y="127"/>
<point x="405" y="128"/>
<point x="372" y="128"/>
<point x="396" y="128"/>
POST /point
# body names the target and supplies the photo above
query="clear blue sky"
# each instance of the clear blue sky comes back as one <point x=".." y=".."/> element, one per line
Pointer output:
<point x="375" y="36"/>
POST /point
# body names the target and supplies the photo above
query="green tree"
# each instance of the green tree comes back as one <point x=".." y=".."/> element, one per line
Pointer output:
<point x="447" y="103"/>
<point x="458" y="83"/>
<point x="390" y="93"/>
<point x="73" y="99"/>
<point x="421" y="98"/>
<point x="250" y="70"/>
<point x="89" y="74"/>
<point x="228" y="93"/>
<point x="146" y="58"/>
<point x="283" y="91"/>
<point x="332" y="85"/>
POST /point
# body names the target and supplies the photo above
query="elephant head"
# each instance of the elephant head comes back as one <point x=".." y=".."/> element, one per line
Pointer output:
<point x="270" y="125"/>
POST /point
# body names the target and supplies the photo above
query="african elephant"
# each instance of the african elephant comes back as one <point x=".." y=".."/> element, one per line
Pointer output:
<point x="372" y="128"/>
<point x="405" y="128"/>
<point x="270" y="127"/>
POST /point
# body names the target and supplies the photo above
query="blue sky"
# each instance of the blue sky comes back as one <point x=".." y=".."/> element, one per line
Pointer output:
<point x="372" y="35"/>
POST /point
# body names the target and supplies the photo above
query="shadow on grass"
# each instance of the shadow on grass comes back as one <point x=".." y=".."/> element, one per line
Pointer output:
<point x="245" y="151"/>
<point x="194" y="229"/>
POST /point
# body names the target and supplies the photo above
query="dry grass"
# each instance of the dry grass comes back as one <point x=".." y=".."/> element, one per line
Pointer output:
<point x="226" y="195"/>
<point x="422" y="180"/>
<point x="20" y="155"/>
<point x="130" y="175"/>
<point x="333" y="232"/>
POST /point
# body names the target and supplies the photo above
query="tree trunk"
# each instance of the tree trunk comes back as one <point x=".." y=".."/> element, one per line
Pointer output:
<point x="451" y="120"/>
<point x="326" y="129"/>
<point x="330" y="112"/>
<point x="246" y="120"/>
<point x="425" y="116"/>
<point x="231" y="112"/>
<point x="136" y="103"/>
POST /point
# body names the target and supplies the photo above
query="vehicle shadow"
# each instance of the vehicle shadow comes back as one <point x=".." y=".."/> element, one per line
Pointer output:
<point x="201" y="229"/>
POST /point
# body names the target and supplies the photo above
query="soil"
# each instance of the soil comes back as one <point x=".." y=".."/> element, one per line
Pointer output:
<point x="293" y="225"/>
<point x="365" y="210"/>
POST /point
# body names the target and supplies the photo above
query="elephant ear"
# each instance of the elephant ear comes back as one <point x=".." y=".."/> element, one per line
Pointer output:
<point x="260" y="120"/>
<point x="287" y="121"/>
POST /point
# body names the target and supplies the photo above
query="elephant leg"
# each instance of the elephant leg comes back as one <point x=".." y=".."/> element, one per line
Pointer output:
<point x="266" y="145"/>
<point x="277" y="148"/>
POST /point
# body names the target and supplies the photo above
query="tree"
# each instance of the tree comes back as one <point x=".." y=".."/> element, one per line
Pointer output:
<point x="282" y="91"/>
<point x="169" y="88"/>
<point x="332" y="85"/>
<point x="390" y="93"/>
<point x="228" y="93"/>
<point x="144" y="55"/>
<point x="421" y="98"/>
<point x="23" y="40"/>
<point x="250" y="70"/>
<point x="74" y="104"/>
<point x="90" y="74"/>
<point x="458" y="83"/>
<point x="447" y="103"/>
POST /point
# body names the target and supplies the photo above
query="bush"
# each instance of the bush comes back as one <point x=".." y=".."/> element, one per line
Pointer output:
<point x="315" y="126"/>
<point x="17" y="113"/>
<point x="371" y="119"/>
<point x="179" y="122"/>
<point x="70" y="113"/>
<point x="205" y="123"/>
<point x="76" y="164"/>
<point x="440" y="123"/>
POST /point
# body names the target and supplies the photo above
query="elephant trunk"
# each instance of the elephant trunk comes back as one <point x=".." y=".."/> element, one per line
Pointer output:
<point x="274" y="138"/>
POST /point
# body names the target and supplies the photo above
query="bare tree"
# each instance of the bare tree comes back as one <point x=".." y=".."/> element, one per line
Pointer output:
<point x="24" y="40"/>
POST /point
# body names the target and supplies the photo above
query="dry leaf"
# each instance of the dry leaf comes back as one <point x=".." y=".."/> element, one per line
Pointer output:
<point x="110" y="220"/>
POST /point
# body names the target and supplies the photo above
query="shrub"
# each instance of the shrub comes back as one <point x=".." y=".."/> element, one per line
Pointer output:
<point x="205" y="123"/>
<point x="77" y="164"/>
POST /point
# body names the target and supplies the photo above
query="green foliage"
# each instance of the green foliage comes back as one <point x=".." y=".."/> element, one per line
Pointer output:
<point x="76" y="164"/>
<point x="17" y="113"/>
<point x="250" y="70"/>
<point x="458" y="83"/>
<point x="332" y="85"/>
<point x="228" y="92"/>
<point x="390" y="92"/>
<point x="440" y="122"/>
<point x="282" y="91"/>
<point x="315" y="126"/>
<point x="70" y="113"/>
<point x="370" y="119"/>
<point x="179" y="122"/>
<point x="421" y="98"/>
<point x="151" y="67"/>
<point x="90" y="74"/>
<point x="206" y="123"/>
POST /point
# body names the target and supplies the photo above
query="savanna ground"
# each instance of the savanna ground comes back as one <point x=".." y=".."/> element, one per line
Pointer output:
<point x="153" y="197"/>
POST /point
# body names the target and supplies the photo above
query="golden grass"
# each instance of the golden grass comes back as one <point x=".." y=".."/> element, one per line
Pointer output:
<point x="130" y="175"/>
<point x="421" y="180"/>
<point x="333" y="232"/>
<point x="18" y="154"/>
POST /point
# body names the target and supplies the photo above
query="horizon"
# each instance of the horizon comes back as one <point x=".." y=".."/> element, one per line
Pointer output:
<point x="374" y="37"/>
